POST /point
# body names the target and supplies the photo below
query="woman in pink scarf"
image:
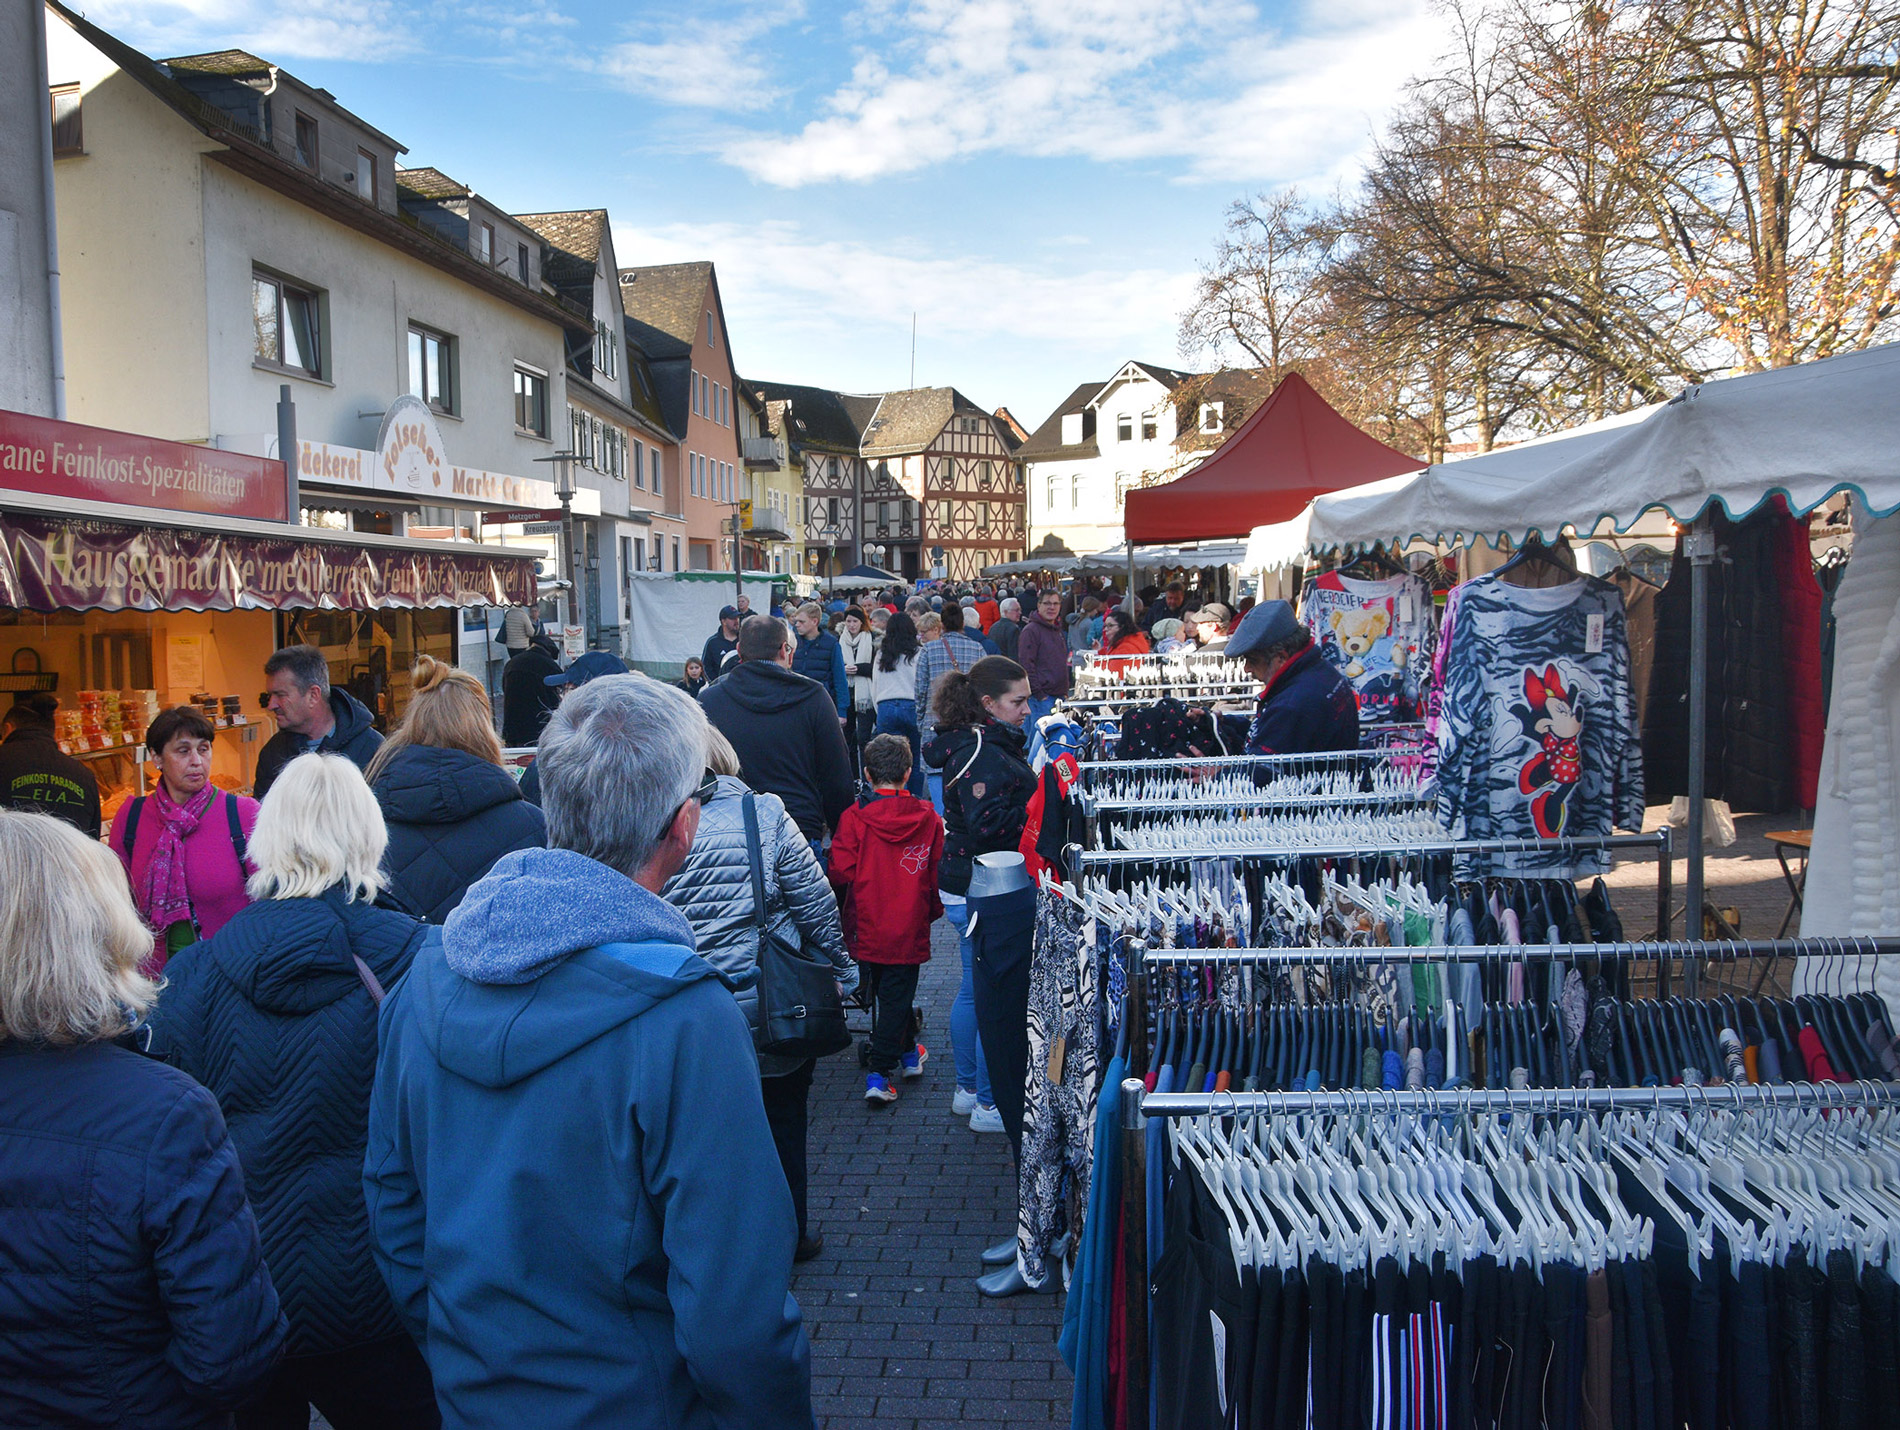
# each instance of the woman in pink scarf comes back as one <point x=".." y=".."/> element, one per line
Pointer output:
<point x="178" y="844"/>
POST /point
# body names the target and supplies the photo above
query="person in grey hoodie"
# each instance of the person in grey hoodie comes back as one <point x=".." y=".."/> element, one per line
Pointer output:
<point x="572" y="1190"/>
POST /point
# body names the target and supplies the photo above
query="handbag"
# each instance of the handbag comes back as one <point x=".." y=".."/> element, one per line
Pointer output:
<point x="801" y="1014"/>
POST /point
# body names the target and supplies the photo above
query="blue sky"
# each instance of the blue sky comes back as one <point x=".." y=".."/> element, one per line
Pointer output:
<point x="1037" y="180"/>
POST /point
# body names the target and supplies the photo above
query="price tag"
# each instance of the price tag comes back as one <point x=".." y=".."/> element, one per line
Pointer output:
<point x="1408" y="609"/>
<point x="1592" y="634"/>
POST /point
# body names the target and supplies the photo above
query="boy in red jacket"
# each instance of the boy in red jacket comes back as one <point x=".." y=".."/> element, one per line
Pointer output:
<point x="884" y="861"/>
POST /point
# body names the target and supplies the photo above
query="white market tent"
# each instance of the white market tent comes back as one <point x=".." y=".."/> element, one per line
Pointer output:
<point x="1804" y="432"/>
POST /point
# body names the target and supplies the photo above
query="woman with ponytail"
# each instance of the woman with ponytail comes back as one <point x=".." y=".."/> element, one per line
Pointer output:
<point x="451" y="808"/>
<point x="979" y="745"/>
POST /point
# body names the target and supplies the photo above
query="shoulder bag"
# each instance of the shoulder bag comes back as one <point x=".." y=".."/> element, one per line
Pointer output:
<point x="801" y="1014"/>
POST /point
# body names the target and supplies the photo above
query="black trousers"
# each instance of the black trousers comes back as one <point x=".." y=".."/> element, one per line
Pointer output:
<point x="1004" y="937"/>
<point x="785" y="1107"/>
<point x="383" y="1385"/>
<point x="893" y="991"/>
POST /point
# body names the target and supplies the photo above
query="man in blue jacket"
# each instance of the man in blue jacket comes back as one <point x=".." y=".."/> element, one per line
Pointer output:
<point x="819" y="656"/>
<point x="1305" y="705"/>
<point x="572" y="1188"/>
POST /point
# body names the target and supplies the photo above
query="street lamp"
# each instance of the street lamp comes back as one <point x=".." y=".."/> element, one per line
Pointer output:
<point x="564" y="493"/>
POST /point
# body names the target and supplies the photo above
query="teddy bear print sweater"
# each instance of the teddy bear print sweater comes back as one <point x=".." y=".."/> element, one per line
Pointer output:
<point x="1373" y="633"/>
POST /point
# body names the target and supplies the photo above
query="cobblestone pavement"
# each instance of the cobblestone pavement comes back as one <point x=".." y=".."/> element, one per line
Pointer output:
<point x="907" y="1197"/>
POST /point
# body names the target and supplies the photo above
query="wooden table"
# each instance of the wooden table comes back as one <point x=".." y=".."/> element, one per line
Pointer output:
<point x="1801" y="841"/>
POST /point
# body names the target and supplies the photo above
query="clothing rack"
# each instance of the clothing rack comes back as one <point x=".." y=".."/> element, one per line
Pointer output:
<point x="1708" y="950"/>
<point x="1658" y="840"/>
<point x="1264" y="799"/>
<point x="1138" y="1106"/>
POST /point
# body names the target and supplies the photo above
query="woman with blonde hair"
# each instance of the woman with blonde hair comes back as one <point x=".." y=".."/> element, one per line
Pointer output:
<point x="452" y="810"/>
<point x="136" y="1289"/>
<point x="276" y="1015"/>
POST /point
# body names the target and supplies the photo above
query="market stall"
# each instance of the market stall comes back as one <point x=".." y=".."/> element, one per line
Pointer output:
<point x="1724" y="451"/>
<point x="125" y="607"/>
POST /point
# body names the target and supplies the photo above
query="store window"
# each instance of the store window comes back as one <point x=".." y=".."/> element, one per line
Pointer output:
<point x="371" y="653"/>
<point x="287" y="325"/>
<point x="432" y="365"/>
<point x="69" y="135"/>
<point x="531" y="402"/>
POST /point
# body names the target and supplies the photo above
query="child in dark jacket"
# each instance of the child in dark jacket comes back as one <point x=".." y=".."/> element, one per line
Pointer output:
<point x="884" y="861"/>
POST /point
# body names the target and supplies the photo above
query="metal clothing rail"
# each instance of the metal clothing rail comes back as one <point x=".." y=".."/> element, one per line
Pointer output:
<point x="1263" y="799"/>
<point x="1086" y="858"/>
<point x="1314" y="760"/>
<point x="1554" y="1100"/>
<point x="1711" y="950"/>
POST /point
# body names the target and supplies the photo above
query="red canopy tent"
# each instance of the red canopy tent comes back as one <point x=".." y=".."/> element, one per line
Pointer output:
<point x="1295" y="447"/>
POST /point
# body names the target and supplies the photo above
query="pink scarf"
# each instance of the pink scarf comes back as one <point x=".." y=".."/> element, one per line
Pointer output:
<point x="167" y="899"/>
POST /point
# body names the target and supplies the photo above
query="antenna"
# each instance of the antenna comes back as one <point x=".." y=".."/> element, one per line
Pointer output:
<point x="913" y="347"/>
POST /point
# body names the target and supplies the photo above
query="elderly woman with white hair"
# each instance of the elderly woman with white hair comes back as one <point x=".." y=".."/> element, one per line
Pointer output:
<point x="276" y="1014"/>
<point x="133" y="1290"/>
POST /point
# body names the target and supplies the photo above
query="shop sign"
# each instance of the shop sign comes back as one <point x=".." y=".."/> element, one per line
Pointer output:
<point x="48" y="564"/>
<point x="65" y="459"/>
<point x="409" y="448"/>
<point x="407" y="461"/>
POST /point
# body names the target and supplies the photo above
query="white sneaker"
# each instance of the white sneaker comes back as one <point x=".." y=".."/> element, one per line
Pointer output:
<point x="986" y="1119"/>
<point x="963" y="1104"/>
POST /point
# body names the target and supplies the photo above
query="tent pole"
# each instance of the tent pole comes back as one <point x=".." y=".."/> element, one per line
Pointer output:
<point x="1128" y="596"/>
<point x="1700" y="543"/>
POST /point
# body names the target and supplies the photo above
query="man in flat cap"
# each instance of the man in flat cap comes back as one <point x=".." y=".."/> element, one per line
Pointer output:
<point x="1305" y="706"/>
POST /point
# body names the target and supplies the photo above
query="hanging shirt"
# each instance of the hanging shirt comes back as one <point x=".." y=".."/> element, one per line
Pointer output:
<point x="1373" y="633"/>
<point x="1537" y="736"/>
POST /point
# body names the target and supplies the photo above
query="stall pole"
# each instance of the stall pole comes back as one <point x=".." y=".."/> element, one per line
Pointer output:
<point x="1134" y="1256"/>
<point x="1129" y="594"/>
<point x="1700" y="543"/>
<point x="287" y="453"/>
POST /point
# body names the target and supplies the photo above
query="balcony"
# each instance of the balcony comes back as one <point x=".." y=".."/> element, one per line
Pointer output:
<point x="763" y="452"/>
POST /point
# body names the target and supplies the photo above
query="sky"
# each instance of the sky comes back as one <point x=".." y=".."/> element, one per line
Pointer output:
<point x="1035" y="183"/>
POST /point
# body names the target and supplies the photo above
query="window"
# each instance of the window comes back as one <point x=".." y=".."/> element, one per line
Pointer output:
<point x="831" y="511"/>
<point x="1124" y="428"/>
<point x="982" y="516"/>
<point x="676" y="553"/>
<point x="883" y="514"/>
<point x="1075" y="492"/>
<point x="712" y="336"/>
<point x="725" y="407"/>
<point x="366" y="186"/>
<point x="639" y="464"/>
<point x="288" y="325"/>
<point x="1211" y="413"/>
<point x="521" y="261"/>
<point x="531" y="402"/>
<point x="655" y="456"/>
<point x="68" y="133"/>
<point x="1148" y="427"/>
<point x="1050" y="501"/>
<point x="606" y="350"/>
<point x="640" y="552"/>
<point x="307" y="142"/>
<point x="485" y="243"/>
<point x="432" y="368"/>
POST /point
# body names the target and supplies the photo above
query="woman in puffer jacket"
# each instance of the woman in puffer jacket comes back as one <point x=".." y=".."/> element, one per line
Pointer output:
<point x="714" y="890"/>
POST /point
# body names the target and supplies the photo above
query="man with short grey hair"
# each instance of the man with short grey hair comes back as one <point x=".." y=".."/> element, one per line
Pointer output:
<point x="614" y="1247"/>
<point x="1007" y="627"/>
<point x="311" y="715"/>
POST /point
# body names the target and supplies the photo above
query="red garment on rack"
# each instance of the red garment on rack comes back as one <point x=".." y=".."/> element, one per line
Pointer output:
<point x="1066" y="773"/>
<point x="1800" y="654"/>
<point x="1820" y="1068"/>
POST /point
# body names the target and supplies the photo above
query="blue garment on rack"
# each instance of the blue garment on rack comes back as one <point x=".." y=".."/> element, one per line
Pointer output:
<point x="1086" y="1317"/>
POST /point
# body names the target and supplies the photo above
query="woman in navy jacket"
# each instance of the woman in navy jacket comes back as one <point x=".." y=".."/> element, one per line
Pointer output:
<point x="133" y="1291"/>
<point x="450" y="807"/>
<point x="276" y="1014"/>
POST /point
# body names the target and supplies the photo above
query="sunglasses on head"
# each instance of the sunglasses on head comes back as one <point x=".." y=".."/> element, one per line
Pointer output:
<point x="707" y="787"/>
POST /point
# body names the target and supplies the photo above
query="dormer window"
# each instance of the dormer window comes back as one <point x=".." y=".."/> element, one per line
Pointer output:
<point x="1148" y="427"/>
<point x="366" y="188"/>
<point x="307" y="142"/>
<point x="485" y="243"/>
<point x="1124" y="428"/>
<point x="1211" y="415"/>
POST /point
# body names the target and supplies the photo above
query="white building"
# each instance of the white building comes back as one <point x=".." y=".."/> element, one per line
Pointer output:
<point x="1143" y="426"/>
<point x="228" y="232"/>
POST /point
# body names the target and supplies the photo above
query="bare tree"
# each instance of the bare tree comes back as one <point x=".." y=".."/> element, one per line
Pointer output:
<point x="1259" y="298"/>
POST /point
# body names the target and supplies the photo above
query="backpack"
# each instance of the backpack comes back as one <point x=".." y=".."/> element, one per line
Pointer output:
<point x="238" y="843"/>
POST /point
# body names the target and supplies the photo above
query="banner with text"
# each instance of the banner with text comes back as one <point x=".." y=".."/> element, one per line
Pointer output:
<point x="65" y="459"/>
<point x="48" y="565"/>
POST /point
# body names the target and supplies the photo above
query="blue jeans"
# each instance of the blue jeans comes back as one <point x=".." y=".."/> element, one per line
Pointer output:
<point x="972" y="1072"/>
<point x="899" y="717"/>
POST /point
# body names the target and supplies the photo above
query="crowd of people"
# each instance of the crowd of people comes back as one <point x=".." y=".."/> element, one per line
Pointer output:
<point x="422" y="1094"/>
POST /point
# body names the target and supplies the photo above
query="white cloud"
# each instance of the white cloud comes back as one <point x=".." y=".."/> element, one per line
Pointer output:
<point x="838" y="312"/>
<point x="707" y="62"/>
<point x="1207" y="85"/>
<point x="288" y="30"/>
